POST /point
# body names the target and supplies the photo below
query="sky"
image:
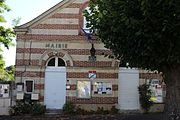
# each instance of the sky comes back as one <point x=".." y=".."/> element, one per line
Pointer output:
<point x="26" y="10"/>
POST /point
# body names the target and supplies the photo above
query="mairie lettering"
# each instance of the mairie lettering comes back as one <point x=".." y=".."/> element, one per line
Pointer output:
<point x="60" y="46"/>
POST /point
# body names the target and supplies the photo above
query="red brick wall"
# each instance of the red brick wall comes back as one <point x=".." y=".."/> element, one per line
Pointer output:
<point x="150" y="76"/>
<point x="94" y="100"/>
<point x="69" y="51"/>
<point x="69" y="74"/>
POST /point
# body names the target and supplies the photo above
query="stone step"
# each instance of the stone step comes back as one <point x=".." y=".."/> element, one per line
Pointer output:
<point x="53" y="111"/>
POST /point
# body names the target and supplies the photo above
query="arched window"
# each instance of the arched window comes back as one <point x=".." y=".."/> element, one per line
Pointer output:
<point x="60" y="62"/>
<point x="51" y="62"/>
<point x="56" y="62"/>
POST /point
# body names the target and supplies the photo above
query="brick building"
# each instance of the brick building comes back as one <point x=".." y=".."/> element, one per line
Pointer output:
<point x="54" y="63"/>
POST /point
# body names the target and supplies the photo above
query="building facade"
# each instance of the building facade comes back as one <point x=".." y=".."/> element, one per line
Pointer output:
<point x="54" y="63"/>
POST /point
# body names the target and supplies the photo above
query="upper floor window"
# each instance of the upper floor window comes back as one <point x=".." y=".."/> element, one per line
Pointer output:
<point x="56" y="62"/>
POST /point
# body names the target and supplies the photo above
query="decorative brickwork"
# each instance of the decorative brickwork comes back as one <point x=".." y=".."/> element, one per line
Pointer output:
<point x="94" y="64"/>
<point x="50" y="37"/>
<point x="27" y="62"/>
<point x="93" y="100"/>
<point x="85" y="75"/>
<point x="29" y="74"/>
<point x="115" y="87"/>
<point x="50" y="54"/>
<point x="61" y="15"/>
<point x="39" y="86"/>
<point x="55" y="26"/>
<point x="72" y="87"/>
<point x="60" y="54"/>
<point x="76" y="63"/>
<point x="69" y="51"/>
<point x="68" y="63"/>
<point x="150" y="76"/>
<point x="69" y="74"/>
<point x="75" y="5"/>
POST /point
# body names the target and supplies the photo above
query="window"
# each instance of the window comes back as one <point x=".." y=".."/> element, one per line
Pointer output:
<point x="83" y="89"/>
<point x="4" y="90"/>
<point x="51" y="62"/>
<point x="56" y="62"/>
<point x="29" y="86"/>
<point x="60" y="62"/>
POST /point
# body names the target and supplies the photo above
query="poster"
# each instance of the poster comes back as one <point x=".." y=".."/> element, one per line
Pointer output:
<point x="4" y="90"/>
<point x="156" y="91"/>
<point x="83" y="89"/>
<point x="20" y="87"/>
<point x="103" y="88"/>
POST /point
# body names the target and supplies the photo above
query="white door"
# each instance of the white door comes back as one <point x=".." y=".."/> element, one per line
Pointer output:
<point x="128" y="95"/>
<point x="55" y="87"/>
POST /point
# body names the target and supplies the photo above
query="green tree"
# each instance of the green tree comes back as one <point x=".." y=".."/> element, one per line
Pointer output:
<point x="9" y="72"/>
<point x="6" y="36"/>
<point x="144" y="33"/>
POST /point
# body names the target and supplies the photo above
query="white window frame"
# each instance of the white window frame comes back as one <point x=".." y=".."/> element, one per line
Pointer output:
<point x="25" y="89"/>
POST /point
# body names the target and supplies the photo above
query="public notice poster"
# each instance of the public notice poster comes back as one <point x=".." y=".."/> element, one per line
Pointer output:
<point x="4" y="90"/>
<point x="83" y="89"/>
<point x="103" y="88"/>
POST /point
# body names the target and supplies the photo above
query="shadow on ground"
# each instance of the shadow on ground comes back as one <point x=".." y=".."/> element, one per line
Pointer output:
<point x="87" y="117"/>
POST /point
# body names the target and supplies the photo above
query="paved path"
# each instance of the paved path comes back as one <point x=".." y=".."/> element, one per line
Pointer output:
<point x="87" y="117"/>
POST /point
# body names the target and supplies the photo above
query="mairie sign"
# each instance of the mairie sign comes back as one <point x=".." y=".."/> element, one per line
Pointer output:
<point x="92" y="75"/>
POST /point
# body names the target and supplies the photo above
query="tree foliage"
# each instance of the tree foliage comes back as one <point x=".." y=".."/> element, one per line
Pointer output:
<point x="7" y="73"/>
<point x="6" y="37"/>
<point x="144" y="33"/>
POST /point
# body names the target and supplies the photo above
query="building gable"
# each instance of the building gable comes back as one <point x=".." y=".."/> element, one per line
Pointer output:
<point x="65" y="15"/>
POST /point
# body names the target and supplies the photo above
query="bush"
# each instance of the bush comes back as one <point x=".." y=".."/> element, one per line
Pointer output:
<point x="114" y="110"/>
<point x="20" y="108"/>
<point x="38" y="109"/>
<point x="100" y="110"/>
<point x="145" y="95"/>
<point x="81" y="111"/>
<point x="23" y="107"/>
<point x="69" y="108"/>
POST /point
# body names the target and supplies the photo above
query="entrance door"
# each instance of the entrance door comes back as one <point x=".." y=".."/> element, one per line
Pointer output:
<point x="128" y="95"/>
<point x="55" y="87"/>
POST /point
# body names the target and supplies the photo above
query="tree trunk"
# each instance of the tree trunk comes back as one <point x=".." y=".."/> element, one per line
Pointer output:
<point x="172" y="103"/>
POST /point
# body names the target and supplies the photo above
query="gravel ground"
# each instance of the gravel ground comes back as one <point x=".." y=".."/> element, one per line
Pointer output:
<point x="87" y="117"/>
